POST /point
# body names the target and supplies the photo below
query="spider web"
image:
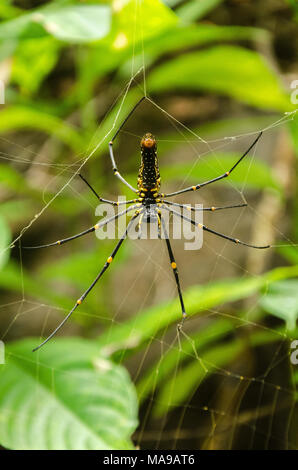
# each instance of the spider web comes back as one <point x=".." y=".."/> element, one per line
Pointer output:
<point x="245" y="403"/>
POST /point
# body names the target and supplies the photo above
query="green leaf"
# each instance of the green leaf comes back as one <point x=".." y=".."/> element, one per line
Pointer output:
<point x="152" y="16"/>
<point x="282" y="301"/>
<point x="227" y="70"/>
<point x="19" y="117"/>
<point x="5" y="238"/>
<point x="32" y="62"/>
<point x="73" y="23"/>
<point x="180" y="37"/>
<point x="66" y="396"/>
<point x="7" y="10"/>
<point x="111" y="54"/>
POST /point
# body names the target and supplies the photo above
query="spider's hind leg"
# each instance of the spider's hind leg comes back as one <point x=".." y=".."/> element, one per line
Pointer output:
<point x="174" y="268"/>
<point x="103" y="270"/>
<point x="139" y="226"/>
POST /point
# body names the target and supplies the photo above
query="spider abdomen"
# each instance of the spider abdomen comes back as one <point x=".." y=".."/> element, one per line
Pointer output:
<point x="149" y="177"/>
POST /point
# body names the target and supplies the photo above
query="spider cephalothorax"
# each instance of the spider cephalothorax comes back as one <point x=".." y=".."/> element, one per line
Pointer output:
<point x="148" y="206"/>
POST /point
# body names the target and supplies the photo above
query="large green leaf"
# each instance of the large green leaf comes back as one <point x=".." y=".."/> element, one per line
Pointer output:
<point x="67" y="396"/>
<point x="108" y="55"/>
<point x="70" y="23"/>
<point x="181" y="37"/>
<point x="229" y="70"/>
<point x="21" y="117"/>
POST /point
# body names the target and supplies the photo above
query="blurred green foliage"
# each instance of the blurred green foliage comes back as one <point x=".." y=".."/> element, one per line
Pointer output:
<point x="182" y="55"/>
<point x="82" y="400"/>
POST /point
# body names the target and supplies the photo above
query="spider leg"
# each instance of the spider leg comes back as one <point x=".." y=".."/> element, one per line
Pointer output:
<point x="224" y="175"/>
<point x="174" y="267"/>
<point x="159" y="224"/>
<point x="81" y="234"/>
<point x="235" y="240"/>
<point x="139" y="228"/>
<point x="115" y="169"/>
<point x="107" y="201"/>
<point x="212" y="209"/>
<point x="105" y="267"/>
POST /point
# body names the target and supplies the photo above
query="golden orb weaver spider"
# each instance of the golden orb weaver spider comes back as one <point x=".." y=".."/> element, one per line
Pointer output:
<point x="147" y="206"/>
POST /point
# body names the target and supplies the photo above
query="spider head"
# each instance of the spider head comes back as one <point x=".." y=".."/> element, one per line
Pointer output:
<point x="148" y="142"/>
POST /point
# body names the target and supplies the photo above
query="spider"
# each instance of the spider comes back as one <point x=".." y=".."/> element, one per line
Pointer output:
<point x="147" y="206"/>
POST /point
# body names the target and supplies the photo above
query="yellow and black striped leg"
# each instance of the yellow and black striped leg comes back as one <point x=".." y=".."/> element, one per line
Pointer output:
<point x="116" y="171"/>
<point x="159" y="224"/>
<point x="105" y="267"/>
<point x="107" y="201"/>
<point x="224" y="175"/>
<point x="81" y="234"/>
<point x="174" y="268"/>
<point x="200" y="209"/>
<point x="221" y="235"/>
<point x="139" y="228"/>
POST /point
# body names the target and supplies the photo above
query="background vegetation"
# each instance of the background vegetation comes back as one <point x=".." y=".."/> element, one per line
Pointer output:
<point x="117" y="377"/>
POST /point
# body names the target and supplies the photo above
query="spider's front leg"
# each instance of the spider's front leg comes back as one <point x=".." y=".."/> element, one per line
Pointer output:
<point x="218" y="178"/>
<point x="115" y="169"/>
<point x="107" y="201"/>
